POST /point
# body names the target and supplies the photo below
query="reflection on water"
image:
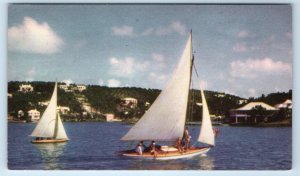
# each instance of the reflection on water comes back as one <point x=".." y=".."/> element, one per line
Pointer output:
<point x="258" y="149"/>
<point x="201" y="162"/>
<point x="50" y="153"/>
<point x="206" y="162"/>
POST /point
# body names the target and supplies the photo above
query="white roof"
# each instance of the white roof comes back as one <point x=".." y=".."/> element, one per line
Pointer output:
<point x="251" y="105"/>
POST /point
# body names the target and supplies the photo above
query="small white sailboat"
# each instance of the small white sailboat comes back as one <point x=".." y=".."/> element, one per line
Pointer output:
<point x="50" y="128"/>
<point x="165" y="119"/>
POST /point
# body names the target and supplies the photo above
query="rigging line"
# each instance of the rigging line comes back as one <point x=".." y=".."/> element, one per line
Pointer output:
<point x="196" y="71"/>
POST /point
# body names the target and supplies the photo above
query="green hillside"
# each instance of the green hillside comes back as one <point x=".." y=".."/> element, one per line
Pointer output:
<point x="107" y="100"/>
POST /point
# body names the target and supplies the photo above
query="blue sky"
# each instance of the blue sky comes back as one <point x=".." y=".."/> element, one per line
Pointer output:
<point x="244" y="50"/>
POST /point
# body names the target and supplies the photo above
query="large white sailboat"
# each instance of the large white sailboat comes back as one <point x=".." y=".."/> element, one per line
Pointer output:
<point x="50" y="128"/>
<point x="165" y="119"/>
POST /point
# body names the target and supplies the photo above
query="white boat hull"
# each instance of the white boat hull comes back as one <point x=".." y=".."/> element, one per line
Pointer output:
<point x="168" y="155"/>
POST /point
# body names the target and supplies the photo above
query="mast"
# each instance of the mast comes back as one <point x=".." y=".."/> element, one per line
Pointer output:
<point x="189" y="109"/>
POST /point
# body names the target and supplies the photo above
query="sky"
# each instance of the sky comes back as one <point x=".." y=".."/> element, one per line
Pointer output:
<point x="244" y="50"/>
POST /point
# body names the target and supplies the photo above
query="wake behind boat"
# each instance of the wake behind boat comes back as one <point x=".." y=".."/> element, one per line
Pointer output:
<point x="50" y="128"/>
<point x="165" y="119"/>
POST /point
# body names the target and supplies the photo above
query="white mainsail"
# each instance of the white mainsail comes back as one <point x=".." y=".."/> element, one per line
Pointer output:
<point x="165" y="119"/>
<point x="50" y="124"/>
<point x="206" y="133"/>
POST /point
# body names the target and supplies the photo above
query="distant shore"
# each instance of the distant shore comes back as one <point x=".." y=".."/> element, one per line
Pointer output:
<point x="284" y="123"/>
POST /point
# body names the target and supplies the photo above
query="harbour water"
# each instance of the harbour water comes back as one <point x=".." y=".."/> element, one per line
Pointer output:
<point x="94" y="146"/>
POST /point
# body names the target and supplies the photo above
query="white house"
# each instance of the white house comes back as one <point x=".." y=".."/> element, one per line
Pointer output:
<point x="242" y="114"/>
<point x="25" y="88"/>
<point x="110" y="117"/>
<point x="43" y="103"/>
<point x="63" y="109"/>
<point x="242" y="101"/>
<point x="128" y="101"/>
<point x="64" y="86"/>
<point x="20" y="113"/>
<point x="34" y="115"/>
<point x="81" y="88"/>
<point x="9" y="95"/>
<point x="286" y="104"/>
<point x="220" y="95"/>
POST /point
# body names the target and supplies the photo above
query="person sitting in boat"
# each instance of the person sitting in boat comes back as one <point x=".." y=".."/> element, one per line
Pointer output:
<point x="187" y="138"/>
<point x="139" y="149"/>
<point x="153" y="149"/>
<point x="178" y="145"/>
<point x="143" y="145"/>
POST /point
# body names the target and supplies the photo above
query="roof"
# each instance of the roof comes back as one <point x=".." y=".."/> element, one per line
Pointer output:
<point x="286" y="104"/>
<point x="251" y="105"/>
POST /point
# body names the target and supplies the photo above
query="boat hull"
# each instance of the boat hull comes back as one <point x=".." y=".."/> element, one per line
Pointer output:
<point x="168" y="155"/>
<point x="49" y="141"/>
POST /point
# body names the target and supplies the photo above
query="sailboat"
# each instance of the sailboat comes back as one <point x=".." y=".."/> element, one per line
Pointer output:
<point x="50" y="128"/>
<point x="165" y="119"/>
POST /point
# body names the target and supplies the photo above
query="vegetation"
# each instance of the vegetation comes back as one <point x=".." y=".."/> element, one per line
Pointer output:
<point x="105" y="100"/>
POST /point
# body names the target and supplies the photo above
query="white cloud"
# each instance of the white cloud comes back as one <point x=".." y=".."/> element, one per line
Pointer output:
<point x="123" y="31"/>
<point x="68" y="81"/>
<point x="176" y="27"/>
<point x="252" y="68"/>
<point x="126" y="67"/>
<point x="33" y="37"/>
<point x="113" y="83"/>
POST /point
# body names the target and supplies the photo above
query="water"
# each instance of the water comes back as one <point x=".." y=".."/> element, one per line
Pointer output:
<point x="93" y="146"/>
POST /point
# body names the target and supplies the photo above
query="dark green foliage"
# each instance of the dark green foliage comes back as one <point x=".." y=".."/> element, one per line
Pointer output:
<point x="107" y="100"/>
<point x="275" y="98"/>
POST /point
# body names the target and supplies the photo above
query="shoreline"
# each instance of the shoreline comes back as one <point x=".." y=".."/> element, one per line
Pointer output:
<point x="285" y="123"/>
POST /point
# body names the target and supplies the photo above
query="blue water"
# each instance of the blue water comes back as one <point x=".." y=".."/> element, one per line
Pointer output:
<point x="93" y="146"/>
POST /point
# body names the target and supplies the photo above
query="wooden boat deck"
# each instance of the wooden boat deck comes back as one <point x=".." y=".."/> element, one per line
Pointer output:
<point x="48" y="141"/>
<point x="166" y="154"/>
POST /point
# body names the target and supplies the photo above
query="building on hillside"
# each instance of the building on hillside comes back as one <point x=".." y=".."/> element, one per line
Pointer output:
<point x="43" y="103"/>
<point x="286" y="104"/>
<point x="242" y="101"/>
<point x="220" y="95"/>
<point x="34" y="115"/>
<point x="110" y="117"/>
<point x="80" y="88"/>
<point x="63" y="109"/>
<point x="285" y="108"/>
<point x="9" y="95"/>
<point x="147" y="104"/>
<point x="64" y="86"/>
<point x="129" y="102"/>
<point x="25" y="88"/>
<point x="252" y="112"/>
<point x="20" y="114"/>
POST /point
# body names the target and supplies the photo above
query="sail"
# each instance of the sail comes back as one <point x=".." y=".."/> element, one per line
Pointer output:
<point x="61" y="133"/>
<point x="46" y="125"/>
<point x="165" y="119"/>
<point x="206" y="133"/>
